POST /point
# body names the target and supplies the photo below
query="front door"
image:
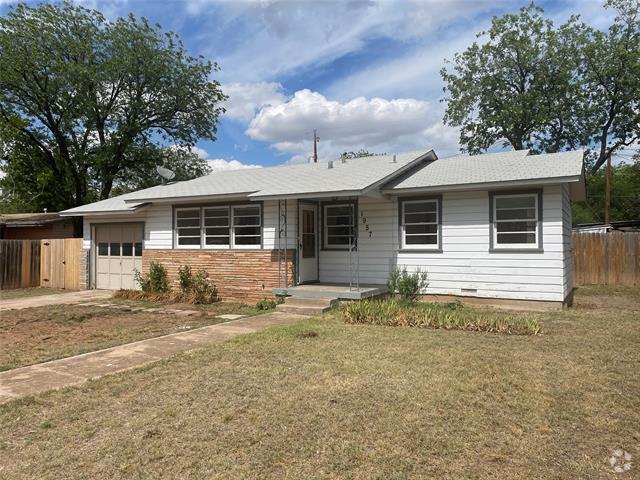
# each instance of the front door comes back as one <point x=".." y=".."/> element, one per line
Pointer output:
<point x="308" y="242"/>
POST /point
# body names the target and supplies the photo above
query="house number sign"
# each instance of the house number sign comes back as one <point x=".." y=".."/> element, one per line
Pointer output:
<point x="366" y="224"/>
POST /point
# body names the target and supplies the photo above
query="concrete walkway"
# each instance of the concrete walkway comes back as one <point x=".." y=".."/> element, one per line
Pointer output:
<point x="56" y="299"/>
<point x="61" y="373"/>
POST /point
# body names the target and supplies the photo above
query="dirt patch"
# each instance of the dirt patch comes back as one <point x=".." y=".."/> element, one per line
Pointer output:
<point x="39" y="334"/>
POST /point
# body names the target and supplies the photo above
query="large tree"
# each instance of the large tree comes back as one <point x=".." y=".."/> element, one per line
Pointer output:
<point x="86" y="103"/>
<point x="531" y="85"/>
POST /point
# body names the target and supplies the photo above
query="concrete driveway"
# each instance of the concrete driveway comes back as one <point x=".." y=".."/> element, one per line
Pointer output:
<point x="56" y="299"/>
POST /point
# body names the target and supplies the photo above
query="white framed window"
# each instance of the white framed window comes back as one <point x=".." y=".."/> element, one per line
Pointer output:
<point x="219" y="227"/>
<point x="216" y="227"/>
<point x="339" y="226"/>
<point x="516" y="220"/>
<point x="188" y="228"/>
<point x="420" y="224"/>
<point x="246" y="229"/>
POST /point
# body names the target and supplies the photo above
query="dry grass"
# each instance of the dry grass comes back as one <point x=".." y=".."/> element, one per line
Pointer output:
<point x="356" y="402"/>
<point x="34" y="335"/>
<point x="28" y="292"/>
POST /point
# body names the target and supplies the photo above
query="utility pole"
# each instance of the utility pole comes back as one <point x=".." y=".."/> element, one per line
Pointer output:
<point x="315" y="145"/>
<point x="607" y="193"/>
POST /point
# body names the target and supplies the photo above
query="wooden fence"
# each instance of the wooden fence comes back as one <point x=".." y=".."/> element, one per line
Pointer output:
<point x="19" y="264"/>
<point x="607" y="258"/>
<point x="44" y="263"/>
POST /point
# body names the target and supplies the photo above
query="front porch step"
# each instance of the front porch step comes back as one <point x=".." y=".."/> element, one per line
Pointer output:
<point x="307" y="306"/>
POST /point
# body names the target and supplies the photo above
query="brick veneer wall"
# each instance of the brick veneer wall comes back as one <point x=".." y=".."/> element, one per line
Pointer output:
<point x="84" y="269"/>
<point x="240" y="275"/>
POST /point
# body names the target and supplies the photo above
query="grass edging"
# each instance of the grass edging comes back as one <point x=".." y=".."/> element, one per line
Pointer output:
<point x="446" y="316"/>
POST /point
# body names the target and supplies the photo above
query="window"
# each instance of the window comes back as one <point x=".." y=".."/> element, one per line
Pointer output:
<point x="216" y="226"/>
<point x="114" y="249"/>
<point x="188" y="227"/>
<point x="103" y="249"/>
<point x="516" y="220"/>
<point x="235" y="226"/>
<point x="246" y="226"/>
<point x="127" y="249"/>
<point x="420" y="224"/>
<point x="137" y="249"/>
<point x="339" y="226"/>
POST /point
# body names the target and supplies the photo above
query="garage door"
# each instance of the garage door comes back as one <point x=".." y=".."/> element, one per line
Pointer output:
<point x="118" y="256"/>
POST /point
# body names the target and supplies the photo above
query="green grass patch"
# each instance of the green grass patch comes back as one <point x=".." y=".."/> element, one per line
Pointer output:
<point x="447" y="316"/>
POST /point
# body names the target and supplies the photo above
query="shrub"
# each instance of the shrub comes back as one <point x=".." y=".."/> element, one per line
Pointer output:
<point x="448" y="316"/>
<point x="196" y="288"/>
<point x="407" y="285"/>
<point x="266" y="304"/>
<point x="185" y="278"/>
<point x="155" y="281"/>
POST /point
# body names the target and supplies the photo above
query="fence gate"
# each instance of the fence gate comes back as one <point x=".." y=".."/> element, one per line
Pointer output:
<point x="60" y="263"/>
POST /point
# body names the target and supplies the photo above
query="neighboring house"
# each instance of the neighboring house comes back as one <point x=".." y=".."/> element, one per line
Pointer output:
<point x="35" y="226"/>
<point x="494" y="226"/>
<point x="621" y="226"/>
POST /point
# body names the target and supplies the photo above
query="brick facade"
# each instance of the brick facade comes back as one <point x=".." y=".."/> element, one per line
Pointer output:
<point x="240" y="275"/>
<point x="83" y="282"/>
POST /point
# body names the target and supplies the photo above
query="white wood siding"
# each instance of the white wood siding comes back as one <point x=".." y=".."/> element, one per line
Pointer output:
<point x="567" y="241"/>
<point x="465" y="262"/>
<point x="270" y="230"/>
<point x="159" y="223"/>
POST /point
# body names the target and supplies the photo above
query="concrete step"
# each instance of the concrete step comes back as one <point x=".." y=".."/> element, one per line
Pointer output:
<point x="311" y="302"/>
<point x="307" y="306"/>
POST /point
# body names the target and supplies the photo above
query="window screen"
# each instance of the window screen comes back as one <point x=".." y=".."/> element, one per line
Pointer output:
<point x="515" y="220"/>
<point x="339" y="225"/>
<point x="420" y="224"/>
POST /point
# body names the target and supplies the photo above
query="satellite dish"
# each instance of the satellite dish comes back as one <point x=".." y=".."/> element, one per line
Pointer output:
<point x="165" y="173"/>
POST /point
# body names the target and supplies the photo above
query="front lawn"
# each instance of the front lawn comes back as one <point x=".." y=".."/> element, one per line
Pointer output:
<point x="323" y="399"/>
<point x="39" y="334"/>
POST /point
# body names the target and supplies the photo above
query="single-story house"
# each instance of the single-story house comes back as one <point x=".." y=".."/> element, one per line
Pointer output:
<point x="35" y="226"/>
<point x="494" y="226"/>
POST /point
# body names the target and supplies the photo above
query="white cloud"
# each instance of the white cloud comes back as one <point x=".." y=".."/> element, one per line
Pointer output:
<point x="245" y="99"/>
<point x="376" y="124"/>
<point x="269" y="39"/>
<point x="220" y="164"/>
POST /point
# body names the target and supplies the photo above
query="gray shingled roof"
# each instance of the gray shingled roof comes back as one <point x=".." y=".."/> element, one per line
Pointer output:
<point x="412" y="171"/>
<point x="494" y="168"/>
<point x="312" y="179"/>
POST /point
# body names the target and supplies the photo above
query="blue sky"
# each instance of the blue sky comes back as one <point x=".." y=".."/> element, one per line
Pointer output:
<point x="364" y="73"/>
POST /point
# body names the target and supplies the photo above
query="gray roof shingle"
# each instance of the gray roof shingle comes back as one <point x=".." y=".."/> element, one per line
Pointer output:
<point x="412" y="171"/>
<point x="512" y="166"/>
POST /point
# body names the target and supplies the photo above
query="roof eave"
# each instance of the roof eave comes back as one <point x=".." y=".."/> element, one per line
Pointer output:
<point x="483" y="185"/>
<point x="191" y="198"/>
<point x="308" y="195"/>
<point x="133" y="209"/>
<point x="429" y="156"/>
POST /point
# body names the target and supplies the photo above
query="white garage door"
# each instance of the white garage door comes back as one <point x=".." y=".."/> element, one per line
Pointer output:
<point x="118" y="255"/>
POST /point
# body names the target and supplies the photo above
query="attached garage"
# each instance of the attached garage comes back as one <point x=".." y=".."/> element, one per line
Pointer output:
<point x="118" y="254"/>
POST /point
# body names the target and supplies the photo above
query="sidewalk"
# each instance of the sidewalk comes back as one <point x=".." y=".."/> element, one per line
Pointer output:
<point x="61" y="373"/>
<point x="56" y="299"/>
